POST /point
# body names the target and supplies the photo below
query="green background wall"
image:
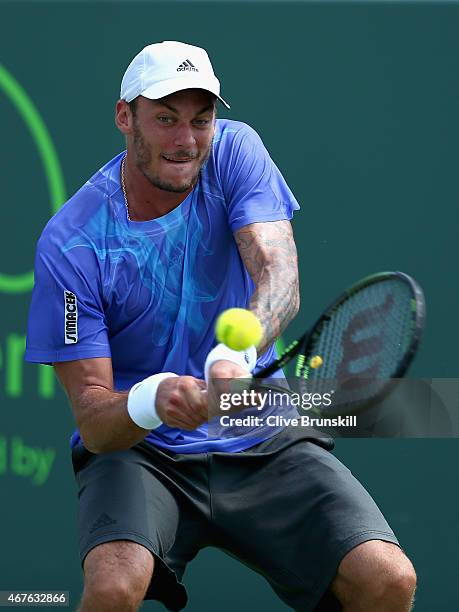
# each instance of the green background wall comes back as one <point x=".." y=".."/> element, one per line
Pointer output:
<point x="358" y="105"/>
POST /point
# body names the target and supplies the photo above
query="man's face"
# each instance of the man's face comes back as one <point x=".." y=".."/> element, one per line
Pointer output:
<point x="172" y="138"/>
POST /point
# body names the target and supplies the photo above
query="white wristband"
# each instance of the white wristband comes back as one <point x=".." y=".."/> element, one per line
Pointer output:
<point x="141" y="402"/>
<point x="245" y="359"/>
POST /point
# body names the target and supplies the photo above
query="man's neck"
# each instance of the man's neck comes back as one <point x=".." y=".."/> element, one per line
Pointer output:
<point x="146" y="202"/>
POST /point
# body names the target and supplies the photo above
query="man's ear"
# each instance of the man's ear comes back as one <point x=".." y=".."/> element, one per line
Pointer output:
<point x="124" y="119"/>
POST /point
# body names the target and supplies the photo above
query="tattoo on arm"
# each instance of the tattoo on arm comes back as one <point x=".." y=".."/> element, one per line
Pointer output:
<point x="269" y="253"/>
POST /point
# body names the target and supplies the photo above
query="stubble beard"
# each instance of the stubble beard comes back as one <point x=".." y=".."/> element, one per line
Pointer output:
<point x="143" y="162"/>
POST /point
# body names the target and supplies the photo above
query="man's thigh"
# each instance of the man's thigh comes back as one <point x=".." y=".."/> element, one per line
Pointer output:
<point x="116" y="574"/>
<point x="373" y="572"/>
<point x="292" y="515"/>
<point x="123" y="496"/>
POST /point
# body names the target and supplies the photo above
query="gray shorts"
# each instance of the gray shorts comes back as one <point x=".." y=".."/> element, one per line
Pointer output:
<point x="286" y="508"/>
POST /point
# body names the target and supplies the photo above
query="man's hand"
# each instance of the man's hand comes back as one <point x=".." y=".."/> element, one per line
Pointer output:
<point x="220" y="375"/>
<point x="186" y="402"/>
<point x="227" y="369"/>
<point x="182" y="402"/>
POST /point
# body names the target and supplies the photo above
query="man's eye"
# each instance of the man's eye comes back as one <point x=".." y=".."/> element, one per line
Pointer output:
<point x="163" y="119"/>
<point x="202" y="121"/>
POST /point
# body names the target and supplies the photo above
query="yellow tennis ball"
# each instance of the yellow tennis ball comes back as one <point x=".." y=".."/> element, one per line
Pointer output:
<point x="316" y="361"/>
<point x="238" y="328"/>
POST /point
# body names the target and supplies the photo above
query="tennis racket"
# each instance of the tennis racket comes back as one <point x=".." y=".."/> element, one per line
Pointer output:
<point x="366" y="340"/>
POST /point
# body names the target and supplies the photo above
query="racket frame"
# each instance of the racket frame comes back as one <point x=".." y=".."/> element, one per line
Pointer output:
<point x="301" y="345"/>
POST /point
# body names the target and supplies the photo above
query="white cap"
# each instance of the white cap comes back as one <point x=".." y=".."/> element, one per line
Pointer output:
<point x="164" y="68"/>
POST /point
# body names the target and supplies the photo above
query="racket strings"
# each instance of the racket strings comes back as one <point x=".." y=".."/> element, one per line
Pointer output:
<point x="366" y="335"/>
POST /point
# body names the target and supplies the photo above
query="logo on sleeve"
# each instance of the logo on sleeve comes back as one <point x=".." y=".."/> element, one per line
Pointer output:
<point x="71" y="317"/>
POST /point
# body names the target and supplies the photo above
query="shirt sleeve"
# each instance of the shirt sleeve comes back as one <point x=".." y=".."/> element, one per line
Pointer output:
<point x="66" y="318"/>
<point x="255" y="190"/>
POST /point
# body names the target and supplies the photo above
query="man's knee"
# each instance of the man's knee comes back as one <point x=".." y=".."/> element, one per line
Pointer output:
<point x="116" y="576"/>
<point x="113" y="595"/>
<point x="375" y="571"/>
<point x="398" y="583"/>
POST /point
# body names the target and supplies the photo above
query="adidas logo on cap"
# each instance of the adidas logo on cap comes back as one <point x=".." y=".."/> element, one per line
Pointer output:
<point x="187" y="65"/>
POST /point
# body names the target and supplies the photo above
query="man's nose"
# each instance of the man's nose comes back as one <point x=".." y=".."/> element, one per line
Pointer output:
<point x="184" y="136"/>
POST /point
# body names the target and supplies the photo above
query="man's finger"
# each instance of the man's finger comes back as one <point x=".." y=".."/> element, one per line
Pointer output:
<point x="180" y="418"/>
<point x="196" y="399"/>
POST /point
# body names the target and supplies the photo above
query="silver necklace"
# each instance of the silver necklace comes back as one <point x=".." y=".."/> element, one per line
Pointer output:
<point x="123" y="187"/>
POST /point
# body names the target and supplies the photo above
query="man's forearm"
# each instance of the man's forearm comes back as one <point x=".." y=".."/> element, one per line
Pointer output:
<point x="104" y="422"/>
<point x="269" y="253"/>
<point x="275" y="303"/>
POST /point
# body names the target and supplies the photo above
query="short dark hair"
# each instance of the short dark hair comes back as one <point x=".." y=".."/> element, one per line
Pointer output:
<point x="133" y="106"/>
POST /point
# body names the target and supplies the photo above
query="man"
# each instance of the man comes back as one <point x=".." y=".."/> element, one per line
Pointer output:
<point x="130" y="276"/>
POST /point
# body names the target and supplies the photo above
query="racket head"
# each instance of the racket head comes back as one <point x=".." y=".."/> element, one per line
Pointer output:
<point x="373" y="329"/>
<point x="366" y="338"/>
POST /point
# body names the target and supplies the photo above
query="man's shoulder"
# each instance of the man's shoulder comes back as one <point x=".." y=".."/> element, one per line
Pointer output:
<point x="234" y="143"/>
<point x="230" y="130"/>
<point x="89" y="202"/>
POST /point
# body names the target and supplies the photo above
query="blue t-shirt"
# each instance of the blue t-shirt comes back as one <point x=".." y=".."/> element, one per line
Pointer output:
<point x="146" y="294"/>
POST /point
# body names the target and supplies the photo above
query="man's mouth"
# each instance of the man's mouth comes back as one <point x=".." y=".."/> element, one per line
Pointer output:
<point x="178" y="160"/>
